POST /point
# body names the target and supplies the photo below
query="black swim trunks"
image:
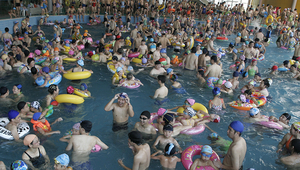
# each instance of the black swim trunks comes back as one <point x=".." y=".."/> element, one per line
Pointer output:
<point x="18" y="4"/>
<point x="119" y="126"/>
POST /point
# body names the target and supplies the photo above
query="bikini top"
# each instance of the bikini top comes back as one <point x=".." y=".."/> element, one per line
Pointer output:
<point x="36" y="161"/>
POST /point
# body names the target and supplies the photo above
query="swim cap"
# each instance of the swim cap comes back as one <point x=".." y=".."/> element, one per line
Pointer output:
<point x="168" y="117"/>
<point x="220" y="81"/>
<point x="169" y="70"/>
<point x="253" y="111"/>
<point x="286" y="62"/>
<point x="123" y="95"/>
<point x="220" y="50"/>
<point x="86" y="125"/>
<point x="146" y="113"/>
<point x="37" y="52"/>
<point x="243" y="98"/>
<point x="236" y="74"/>
<point x="28" y="139"/>
<point x="76" y="126"/>
<point x="70" y="89"/>
<point x="191" y="111"/>
<point x="170" y="149"/>
<point x="206" y="149"/>
<point x="270" y="81"/>
<point x="151" y="40"/>
<point x="242" y="57"/>
<point x="237" y="126"/>
<point x="217" y="119"/>
<point x="173" y="77"/>
<point x="35" y="105"/>
<point x="129" y="68"/>
<point x="135" y="137"/>
<point x="163" y="50"/>
<point x="191" y="101"/>
<point x="168" y="127"/>
<point x="258" y="74"/>
<point x="297" y="125"/>
<point x="144" y="61"/>
<point x="12" y="114"/>
<point x="239" y="34"/>
<point x="235" y="51"/>
<point x="83" y="86"/>
<point x="161" y="111"/>
<point x="216" y="91"/>
<point x="213" y="135"/>
<point x="275" y="68"/>
<point x="119" y="69"/>
<point x="80" y="62"/>
<point x="19" y="165"/>
<point x="46" y="69"/>
<point x="228" y="84"/>
<point x="62" y="159"/>
<point x="4" y="56"/>
<point x="36" y="116"/>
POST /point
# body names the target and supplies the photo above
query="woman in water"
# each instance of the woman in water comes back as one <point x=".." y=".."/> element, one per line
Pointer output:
<point x="217" y="103"/>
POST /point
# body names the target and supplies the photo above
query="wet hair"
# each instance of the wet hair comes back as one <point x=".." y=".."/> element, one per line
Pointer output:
<point x="3" y="90"/>
<point x="158" y="44"/>
<point x="214" y="58"/>
<point x="205" y="51"/>
<point x="194" y="50"/>
<point x="288" y="116"/>
<point x="172" y="151"/>
<point x="115" y="58"/>
<point x="20" y="46"/>
<point x="52" y="88"/>
<point x="296" y="144"/>
<point x="162" y="78"/>
<point x="249" y="92"/>
<point x="201" y="72"/>
<point x="294" y="65"/>
<point x="26" y="52"/>
<point x="6" y="29"/>
<point x="266" y="83"/>
<point x="129" y="76"/>
<point x="135" y="137"/>
<point x="39" y="47"/>
<point x="21" y="105"/>
<point x="86" y="125"/>
<point x="29" y="60"/>
<point x="33" y="70"/>
<point x="10" y="54"/>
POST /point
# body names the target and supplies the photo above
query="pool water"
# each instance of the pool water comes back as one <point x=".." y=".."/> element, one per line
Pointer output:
<point x="261" y="142"/>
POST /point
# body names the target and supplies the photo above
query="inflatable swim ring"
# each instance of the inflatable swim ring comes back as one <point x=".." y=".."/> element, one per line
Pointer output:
<point x="77" y="75"/>
<point x="95" y="57"/>
<point x="130" y="86"/>
<point x="55" y="79"/>
<point x="108" y="34"/>
<point x="198" y="40"/>
<point x="111" y="67"/>
<point x="271" y="124"/>
<point x="188" y="154"/>
<point x="283" y="47"/>
<point x="283" y="69"/>
<point x="23" y="128"/>
<point x="262" y="100"/>
<point x="267" y="20"/>
<point x="69" y="98"/>
<point x="133" y="55"/>
<point x="191" y="43"/>
<point x="40" y="61"/>
<point x="69" y="59"/>
<point x="137" y="60"/>
<point x="171" y="10"/>
<point x="82" y="93"/>
<point x="161" y="7"/>
<point x="222" y="38"/>
<point x="96" y="148"/>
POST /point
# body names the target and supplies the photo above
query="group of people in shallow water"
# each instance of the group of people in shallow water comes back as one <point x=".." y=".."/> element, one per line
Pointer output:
<point x="194" y="51"/>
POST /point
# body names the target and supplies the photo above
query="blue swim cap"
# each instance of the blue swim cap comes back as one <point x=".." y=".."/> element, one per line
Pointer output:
<point x="19" y="165"/>
<point x="12" y="114"/>
<point x="235" y="51"/>
<point x="46" y="69"/>
<point x="129" y="68"/>
<point x="163" y="50"/>
<point x="237" y="126"/>
<point x="213" y="135"/>
<point x="239" y="34"/>
<point x="220" y="50"/>
<point x="254" y="111"/>
<point x="36" y="116"/>
<point x="80" y="62"/>
<point x="62" y="159"/>
<point x="247" y="42"/>
<point x="119" y="69"/>
<point x="216" y="91"/>
<point x="236" y="74"/>
<point x="151" y="40"/>
<point x="83" y="86"/>
<point x="207" y="149"/>
<point x="169" y="70"/>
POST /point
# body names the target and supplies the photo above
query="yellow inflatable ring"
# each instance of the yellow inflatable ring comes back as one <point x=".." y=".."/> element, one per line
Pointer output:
<point x="278" y="18"/>
<point x="197" y="107"/>
<point x="111" y="67"/>
<point x="70" y="59"/>
<point x="82" y="93"/>
<point x="67" y="2"/>
<point x="292" y="62"/>
<point x="267" y="20"/>
<point x="108" y="46"/>
<point x="161" y="7"/>
<point x="137" y="60"/>
<point x="69" y="98"/>
<point x="77" y="75"/>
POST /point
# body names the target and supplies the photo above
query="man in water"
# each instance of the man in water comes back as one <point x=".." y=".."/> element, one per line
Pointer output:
<point x="210" y="45"/>
<point x="143" y="126"/>
<point x="294" y="158"/>
<point x="83" y="144"/>
<point x="162" y="91"/>
<point x="213" y="72"/>
<point x="237" y="150"/>
<point x="157" y="70"/>
<point x="121" y="111"/>
<point x="15" y="119"/>
<point x="141" y="151"/>
<point x="191" y="61"/>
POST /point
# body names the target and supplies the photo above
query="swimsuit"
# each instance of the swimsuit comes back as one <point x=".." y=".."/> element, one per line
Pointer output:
<point x="217" y="107"/>
<point x="211" y="81"/>
<point x="37" y="161"/>
<point x="120" y="126"/>
<point x="287" y="144"/>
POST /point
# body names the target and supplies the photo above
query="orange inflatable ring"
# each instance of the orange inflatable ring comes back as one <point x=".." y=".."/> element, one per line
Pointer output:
<point x="108" y="34"/>
<point x="171" y="10"/>
<point x="262" y="100"/>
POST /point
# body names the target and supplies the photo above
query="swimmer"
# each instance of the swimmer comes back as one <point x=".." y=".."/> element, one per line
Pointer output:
<point x="141" y="151"/>
<point x="235" y="80"/>
<point x="41" y="124"/>
<point x="15" y="119"/>
<point x="217" y="103"/>
<point x="255" y="116"/>
<point x="84" y="87"/>
<point x="176" y="86"/>
<point x="283" y="120"/>
<point x="35" y="156"/>
<point x="53" y="92"/>
<point x="286" y="140"/>
<point x="206" y="153"/>
<point x="227" y="88"/>
<point x="17" y="92"/>
<point x="119" y="74"/>
<point x="168" y="160"/>
<point x="169" y="118"/>
<point x="24" y="110"/>
<point x="121" y="111"/>
<point x="4" y="93"/>
<point x="35" y="106"/>
<point x="264" y="85"/>
<point x="61" y="162"/>
<point x="130" y="80"/>
<point x="217" y="140"/>
<point x="249" y="86"/>
<point x="83" y="144"/>
<point x="190" y="62"/>
<point x="163" y="140"/>
<point x="157" y="70"/>
<point x="187" y="118"/>
<point x="45" y="74"/>
<point x="237" y="150"/>
<point x="143" y="126"/>
<point x="75" y="131"/>
<point x="79" y="67"/>
<point x="200" y="76"/>
<point x="162" y="91"/>
<point x="294" y="159"/>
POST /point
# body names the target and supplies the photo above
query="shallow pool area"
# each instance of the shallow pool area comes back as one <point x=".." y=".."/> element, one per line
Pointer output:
<point x="261" y="142"/>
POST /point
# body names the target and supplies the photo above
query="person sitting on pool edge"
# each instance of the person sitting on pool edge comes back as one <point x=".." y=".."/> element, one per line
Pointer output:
<point x="121" y="111"/>
<point x="206" y="153"/>
<point x="61" y="162"/>
<point x="41" y="125"/>
<point x="168" y="160"/>
<point x="83" y="144"/>
<point x="294" y="158"/>
<point x="79" y="67"/>
<point x="286" y="140"/>
<point x="15" y="119"/>
<point x="140" y="150"/>
<point x="163" y="140"/>
<point x="283" y="120"/>
<point x="143" y="126"/>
